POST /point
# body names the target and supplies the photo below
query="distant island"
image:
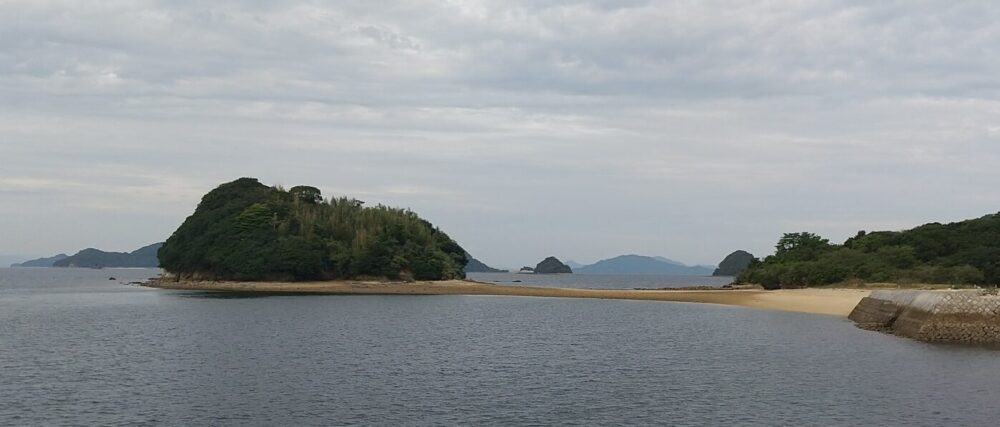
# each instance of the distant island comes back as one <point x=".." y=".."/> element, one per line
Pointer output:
<point x="244" y="230"/>
<point x="734" y="263"/>
<point x="144" y="257"/>
<point x="41" y="262"/>
<point x="639" y="264"/>
<point x="477" y="266"/>
<point x="965" y="252"/>
<point x="552" y="265"/>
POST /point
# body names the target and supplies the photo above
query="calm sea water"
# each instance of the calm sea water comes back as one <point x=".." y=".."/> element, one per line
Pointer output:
<point x="600" y="281"/>
<point x="79" y="349"/>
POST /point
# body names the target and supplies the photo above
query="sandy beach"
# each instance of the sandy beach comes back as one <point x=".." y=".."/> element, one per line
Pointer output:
<point x="836" y="302"/>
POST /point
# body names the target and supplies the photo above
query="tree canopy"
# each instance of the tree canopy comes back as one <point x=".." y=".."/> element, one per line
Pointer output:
<point x="966" y="252"/>
<point x="244" y="230"/>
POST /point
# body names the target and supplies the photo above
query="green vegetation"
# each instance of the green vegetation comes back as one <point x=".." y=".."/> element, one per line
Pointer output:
<point x="734" y="263"/>
<point x="552" y="265"/>
<point x="966" y="252"/>
<point x="244" y="230"/>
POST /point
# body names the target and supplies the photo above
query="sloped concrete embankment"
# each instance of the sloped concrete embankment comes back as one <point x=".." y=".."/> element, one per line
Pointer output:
<point x="965" y="316"/>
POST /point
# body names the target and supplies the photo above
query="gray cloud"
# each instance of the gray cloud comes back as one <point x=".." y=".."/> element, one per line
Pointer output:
<point x="577" y="128"/>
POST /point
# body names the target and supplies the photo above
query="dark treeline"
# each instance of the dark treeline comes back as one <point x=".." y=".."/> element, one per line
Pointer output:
<point x="966" y="252"/>
<point x="244" y="230"/>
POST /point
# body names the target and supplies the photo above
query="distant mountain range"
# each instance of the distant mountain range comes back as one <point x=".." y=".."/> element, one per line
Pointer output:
<point x="42" y="262"/>
<point x="639" y="264"/>
<point x="144" y="257"/>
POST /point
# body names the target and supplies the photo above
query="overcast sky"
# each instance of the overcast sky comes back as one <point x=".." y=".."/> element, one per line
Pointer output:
<point x="581" y="129"/>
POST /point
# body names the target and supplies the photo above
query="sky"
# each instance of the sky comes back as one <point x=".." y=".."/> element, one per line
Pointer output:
<point x="580" y="129"/>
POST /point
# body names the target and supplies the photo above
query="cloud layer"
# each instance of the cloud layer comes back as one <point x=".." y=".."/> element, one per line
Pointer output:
<point x="582" y="129"/>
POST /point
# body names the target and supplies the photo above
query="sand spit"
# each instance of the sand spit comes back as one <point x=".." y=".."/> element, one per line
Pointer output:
<point x="837" y="302"/>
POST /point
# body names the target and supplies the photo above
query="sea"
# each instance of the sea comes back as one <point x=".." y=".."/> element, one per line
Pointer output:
<point x="86" y="347"/>
<point x="600" y="281"/>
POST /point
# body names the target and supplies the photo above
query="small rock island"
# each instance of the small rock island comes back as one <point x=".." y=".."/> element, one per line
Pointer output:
<point x="552" y="265"/>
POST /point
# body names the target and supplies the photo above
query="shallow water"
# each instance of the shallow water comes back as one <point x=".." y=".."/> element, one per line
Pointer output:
<point x="600" y="281"/>
<point x="76" y="348"/>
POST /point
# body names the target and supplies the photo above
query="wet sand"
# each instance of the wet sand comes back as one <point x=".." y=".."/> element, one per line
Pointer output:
<point x="837" y="302"/>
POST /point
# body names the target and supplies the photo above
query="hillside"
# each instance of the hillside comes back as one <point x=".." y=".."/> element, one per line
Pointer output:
<point x="144" y="257"/>
<point x="41" y="262"/>
<point x="734" y="263"/>
<point x="477" y="266"/>
<point x="552" y="265"/>
<point x="244" y="230"/>
<point x="965" y="252"/>
<point x="638" y="264"/>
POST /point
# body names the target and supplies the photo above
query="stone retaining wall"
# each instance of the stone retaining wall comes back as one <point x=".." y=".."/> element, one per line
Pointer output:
<point x="965" y="316"/>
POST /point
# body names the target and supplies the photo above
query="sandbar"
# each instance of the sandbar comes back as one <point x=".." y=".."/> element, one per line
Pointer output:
<point x="835" y="302"/>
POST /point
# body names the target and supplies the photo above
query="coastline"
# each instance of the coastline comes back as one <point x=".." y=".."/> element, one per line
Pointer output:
<point x="835" y="302"/>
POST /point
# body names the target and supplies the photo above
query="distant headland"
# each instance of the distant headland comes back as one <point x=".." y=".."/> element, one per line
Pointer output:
<point x="963" y="253"/>
<point x="144" y="257"/>
<point x="477" y="266"/>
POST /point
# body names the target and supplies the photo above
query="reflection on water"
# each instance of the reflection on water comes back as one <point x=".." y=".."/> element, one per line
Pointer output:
<point x="231" y="294"/>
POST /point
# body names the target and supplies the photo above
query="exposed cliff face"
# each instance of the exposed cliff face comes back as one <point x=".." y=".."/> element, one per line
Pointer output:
<point x="968" y="316"/>
<point x="552" y="265"/>
<point x="734" y="263"/>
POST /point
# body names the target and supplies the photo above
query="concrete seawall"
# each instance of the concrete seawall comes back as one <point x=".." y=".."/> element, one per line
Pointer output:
<point x="956" y="316"/>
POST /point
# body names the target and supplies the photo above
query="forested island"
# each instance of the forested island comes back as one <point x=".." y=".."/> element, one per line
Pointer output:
<point x="966" y="252"/>
<point x="244" y="230"/>
<point x="552" y="265"/>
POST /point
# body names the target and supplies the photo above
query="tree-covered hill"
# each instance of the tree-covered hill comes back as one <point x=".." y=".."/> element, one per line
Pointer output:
<point x="734" y="263"/>
<point x="244" y="230"/>
<point x="966" y="252"/>
<point x="552" y="265"/>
